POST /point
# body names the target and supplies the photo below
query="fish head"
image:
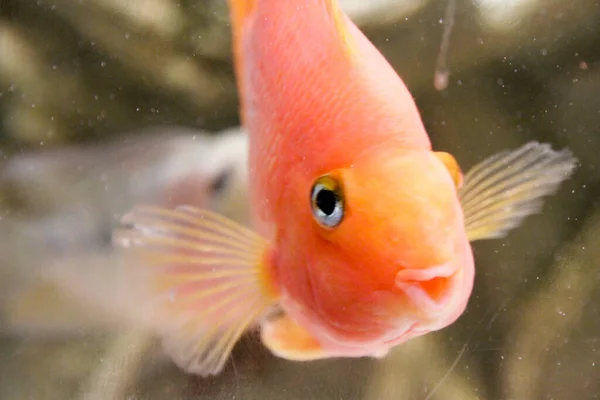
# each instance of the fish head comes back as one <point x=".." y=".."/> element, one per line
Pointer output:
<point x="401" y="206"/>
<point x="385" y="251"/>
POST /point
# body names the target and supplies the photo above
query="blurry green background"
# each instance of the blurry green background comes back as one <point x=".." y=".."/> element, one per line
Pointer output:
<point x="107" y="102"/>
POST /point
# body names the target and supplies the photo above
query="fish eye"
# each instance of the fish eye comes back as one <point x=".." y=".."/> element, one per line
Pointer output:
<point x="327" y="202"/>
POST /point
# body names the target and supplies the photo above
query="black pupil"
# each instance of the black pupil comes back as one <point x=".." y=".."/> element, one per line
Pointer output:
<point x="326" y="201"/>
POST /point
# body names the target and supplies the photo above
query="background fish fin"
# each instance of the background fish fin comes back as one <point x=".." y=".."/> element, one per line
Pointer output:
<point x="501" y="191"/>
<point x="288" y="340"/>
<point x="43" y="309"/>
<point x="200" y="277"/>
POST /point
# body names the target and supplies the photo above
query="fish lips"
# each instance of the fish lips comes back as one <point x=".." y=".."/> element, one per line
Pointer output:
<point x="431" y="290"/>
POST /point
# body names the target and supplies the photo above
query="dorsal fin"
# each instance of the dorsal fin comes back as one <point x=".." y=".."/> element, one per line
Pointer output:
<point x="239" y="13"/>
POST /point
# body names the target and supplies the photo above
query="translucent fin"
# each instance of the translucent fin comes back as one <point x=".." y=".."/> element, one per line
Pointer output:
<point x="501" y="191"/>
<point x="204" y="281"/>
<point x="288" y="340"/>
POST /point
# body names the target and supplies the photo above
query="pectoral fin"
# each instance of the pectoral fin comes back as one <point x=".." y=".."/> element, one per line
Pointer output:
<point x="452" y="166"/>
<point x="501" y="191"/>
<point x="286" y="339"/>
<point x="204" y="281"/>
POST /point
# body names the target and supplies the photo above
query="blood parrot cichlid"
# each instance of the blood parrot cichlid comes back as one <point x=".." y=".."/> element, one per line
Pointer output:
<point x="361" y="232"/>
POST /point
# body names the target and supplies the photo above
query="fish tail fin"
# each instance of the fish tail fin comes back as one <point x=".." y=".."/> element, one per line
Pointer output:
<point x="501" y="191"/>
<point x="204" y="278"/>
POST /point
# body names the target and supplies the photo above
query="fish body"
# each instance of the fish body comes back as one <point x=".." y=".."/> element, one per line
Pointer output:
<point x="361" y="232"/>
<point x="313" y="84"/>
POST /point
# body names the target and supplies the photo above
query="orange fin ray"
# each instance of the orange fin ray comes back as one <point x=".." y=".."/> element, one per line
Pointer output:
<point x="501" y="191"/>
<point x="201" y="277"/>
<point x="204" y="350"/>
<point x="216" y="229"/>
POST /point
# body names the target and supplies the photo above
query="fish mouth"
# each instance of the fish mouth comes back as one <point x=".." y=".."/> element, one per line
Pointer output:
<point x="430" y="289"/>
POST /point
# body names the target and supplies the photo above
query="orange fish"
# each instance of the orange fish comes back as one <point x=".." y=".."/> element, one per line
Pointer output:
<point x="362" y="233"/>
